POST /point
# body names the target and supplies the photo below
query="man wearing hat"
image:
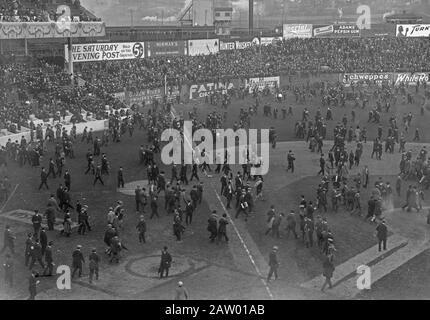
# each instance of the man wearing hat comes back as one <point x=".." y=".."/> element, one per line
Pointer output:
<point x="9" y="241"/>
<point x="273" y="264"/>
<point x="181" y="293"/>
<point x="381" y="234"/>
<point x="200" y="191"/>
<point x="290" y="160"/>
<point x="222" y="228"/>
<point x="36" y="219"/>
<point x="32" y="283"/>
<point x="141" y="229"/>
<point x="161" y="183"/>
<point x="166" y="260"/>
<point x="8" y="270"/>
<point x="94" y="265"/>
<point x="213" y="226"/>
<point x="120" y="178"/>
<point x="291" y="224"/>
<point x="28" y="244"/>
<point x="36" y="254"/>
<point x="49" y="260"/>
<point x="78" y="260"/>
<point x="110" y="216"/>
<point x="43" y="240"/>
<point x="98" y="175"/>
<point x="194" y="195"/>
<point x="83" y="220"/>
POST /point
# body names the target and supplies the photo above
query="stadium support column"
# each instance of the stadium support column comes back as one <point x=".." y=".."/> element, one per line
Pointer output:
<point x="251" y="16"/>
<point x="165" y="84"/>
<point x="70" y="55"/>
<point x="25" y="47"/>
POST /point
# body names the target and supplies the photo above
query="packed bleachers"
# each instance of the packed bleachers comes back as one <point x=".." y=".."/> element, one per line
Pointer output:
<point x="297" y="55"/>
<point x="40" y="11"/>
<point x="47" y="91"/>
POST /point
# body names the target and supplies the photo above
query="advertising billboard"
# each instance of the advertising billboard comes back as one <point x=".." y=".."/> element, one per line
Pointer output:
<point x="234" y="45"/>
<point x="337" y="30"/>
<point x="203" y="90"/>
<point x="348" y="78"/>
<point x="166" y="48"/>
<point x="411" y="79"/>
<point x="297" y="31"/>
<point x="265" y="41"/>
<point x="106" y="51"/>
<point x="413" y="30"/>
<point x="203" y="47"/>
<point x="261" y="83"/>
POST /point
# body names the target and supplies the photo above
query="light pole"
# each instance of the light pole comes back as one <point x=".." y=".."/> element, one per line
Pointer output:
<point x="165" y="77"/>
<point x="131" y="18"/>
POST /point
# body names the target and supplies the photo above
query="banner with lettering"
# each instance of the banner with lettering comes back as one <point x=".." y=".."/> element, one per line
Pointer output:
<point x="348" y="78"/>
<point x="413" y="30"/>
<point x="411" y="79"/>
<point x="202" y="90"/>
<point x="106" y="51"/>
<point x="297" y="31"/>
<point x="203" y="47"/>
<point x="234" y="45"/>
<point x="166" y="48"/>
<point x="261" y="83"/>
<point x="337" y="30"/>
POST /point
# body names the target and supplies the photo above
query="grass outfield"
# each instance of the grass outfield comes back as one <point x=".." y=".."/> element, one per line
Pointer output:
<point x="352" y="236"/>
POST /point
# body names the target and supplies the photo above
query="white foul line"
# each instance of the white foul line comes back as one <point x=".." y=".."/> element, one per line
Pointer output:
<point x="269" y="292"/>
<point x="10" y="197"/>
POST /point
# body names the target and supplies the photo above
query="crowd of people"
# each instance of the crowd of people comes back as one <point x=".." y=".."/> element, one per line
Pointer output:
<point x="53" y="93"/>
<point x="39" y="11"/>
<point x="46" y="90"/>
<point x="340" y="55"/>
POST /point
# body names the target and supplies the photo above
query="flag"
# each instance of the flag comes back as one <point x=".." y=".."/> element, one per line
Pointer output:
<point x="340" y="12"/>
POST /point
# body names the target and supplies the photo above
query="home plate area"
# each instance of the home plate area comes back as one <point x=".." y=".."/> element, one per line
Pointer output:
<point x="24" y="216"/>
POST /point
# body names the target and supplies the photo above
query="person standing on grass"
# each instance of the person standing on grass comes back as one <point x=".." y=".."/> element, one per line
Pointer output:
<point x="67" y="180"/>
<point x="181" y="293"/>
<point x="94" y="260"/>
<point x="43" y="179"/>
<point x="78" y="261"/>
<point x="120" y="178"/>
<point x="381" y="234"/>
<point x="48" y="260"/>
<point x="141" y="229"/>
<point x="36" y="254"/>
<point x="273" y="264"/>
<point x="328" y="269"/>
<point x="291" y="224"/>
<point x="165" y="263"/>
<point x="9" y="241"/>
<point x="8" y="270"/>
<point x="222" y="228"/>
<point x="98" y="176"/>
<point x="32" y="285"/>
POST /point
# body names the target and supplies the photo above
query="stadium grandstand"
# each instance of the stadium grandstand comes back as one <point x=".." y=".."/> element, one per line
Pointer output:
<point x="77" y="88"/>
